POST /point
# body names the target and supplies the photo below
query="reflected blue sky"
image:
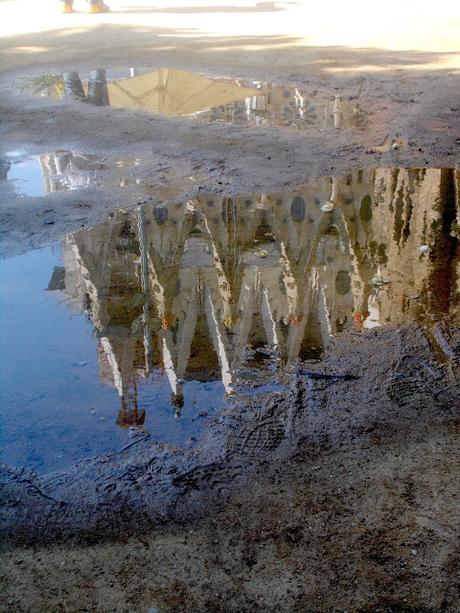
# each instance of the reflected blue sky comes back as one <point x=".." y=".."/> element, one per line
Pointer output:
<point x="54" y="410"/>
<point x="26" y="176"/>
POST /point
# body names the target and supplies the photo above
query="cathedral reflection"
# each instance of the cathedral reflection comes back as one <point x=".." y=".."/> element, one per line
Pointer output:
<point x="213" y="287"/>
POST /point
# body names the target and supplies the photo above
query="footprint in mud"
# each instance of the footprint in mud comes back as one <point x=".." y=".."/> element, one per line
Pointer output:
<point x="412" y="378"/>
<point x="217" y="475"/>
<point x="266" y="435"/>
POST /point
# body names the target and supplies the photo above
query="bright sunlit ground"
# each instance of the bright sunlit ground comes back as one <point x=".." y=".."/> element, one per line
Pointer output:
<point x="392" y="24"/>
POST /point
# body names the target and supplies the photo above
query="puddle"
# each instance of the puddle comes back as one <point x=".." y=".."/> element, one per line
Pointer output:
<point x="37" y="175"/>
<point x="65" y="391"/>
<point x="178" y="93"/>
<point x="162" y="316"/>
<point x="62" y="170"/>
<point x="24" y="172"/>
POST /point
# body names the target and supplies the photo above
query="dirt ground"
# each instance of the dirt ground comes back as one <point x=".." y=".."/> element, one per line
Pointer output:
<point x="350" y="503"/>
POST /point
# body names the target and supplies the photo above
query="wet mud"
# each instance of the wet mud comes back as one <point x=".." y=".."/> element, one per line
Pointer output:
<point x="177" y="309"/>
<point x="332" y="321"/>
<point x="250" y="259"/>
<point x="326" y="490"/>
<point x="165" y="133"/>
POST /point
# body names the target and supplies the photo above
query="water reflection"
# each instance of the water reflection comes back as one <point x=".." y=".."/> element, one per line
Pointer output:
<point x="242" y="289"/>
<point x="62" y="170"/>
<point x="174" y="92"/>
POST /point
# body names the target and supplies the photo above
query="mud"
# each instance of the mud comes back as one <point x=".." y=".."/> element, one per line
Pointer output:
<point x="166" y="312"/>
<point x="321" y="495"/>
<point x="331" y="484"/>
<point x="418" y="127"/>
<point x="316" y="489"/>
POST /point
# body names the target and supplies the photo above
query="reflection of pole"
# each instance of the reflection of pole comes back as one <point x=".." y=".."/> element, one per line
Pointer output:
<point x="222" y="284"/>
<point x="361" y="288"/>
<point x="268" y="319"/>
<point x="296" y="333"/>
<point x="246" y="309"/>
<point x="98" y="93"/>
<point x="73" y="87"/>
<point x="176" y="384"/>
<point x="129" y="414"/>
<point x="145" y="285"/>
<point x="300" y="103"/>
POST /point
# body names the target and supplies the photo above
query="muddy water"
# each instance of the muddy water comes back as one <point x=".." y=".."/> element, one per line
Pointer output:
<point x="178" y="93"/>
<point x="158" y="318"/>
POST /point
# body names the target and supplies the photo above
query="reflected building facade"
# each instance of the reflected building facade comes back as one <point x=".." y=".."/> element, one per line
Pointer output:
<point x="213" y="287"/>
